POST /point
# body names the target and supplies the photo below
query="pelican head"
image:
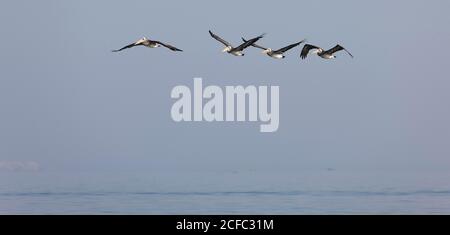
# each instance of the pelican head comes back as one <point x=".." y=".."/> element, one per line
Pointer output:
<point x="226" y="49"/>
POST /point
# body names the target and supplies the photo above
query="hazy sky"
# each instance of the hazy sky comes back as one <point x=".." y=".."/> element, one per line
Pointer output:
<point x="68" y="103"/>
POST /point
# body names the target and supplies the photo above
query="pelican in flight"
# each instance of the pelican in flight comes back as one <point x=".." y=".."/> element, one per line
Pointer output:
<point x="237" y="51"/>
<point x="276" y="54"/>
<point x="148" y="43"/>
<point x="321" y="52"/>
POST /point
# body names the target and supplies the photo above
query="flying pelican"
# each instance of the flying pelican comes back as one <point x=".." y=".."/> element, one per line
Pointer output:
<point x="321" y="52"/>
<point x="237" y="51"/>
<point x="148" y="43"/>
<point x="277" y="54"/>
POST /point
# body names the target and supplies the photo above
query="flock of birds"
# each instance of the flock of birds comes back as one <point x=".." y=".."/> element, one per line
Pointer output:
<point x="239" y="50"/>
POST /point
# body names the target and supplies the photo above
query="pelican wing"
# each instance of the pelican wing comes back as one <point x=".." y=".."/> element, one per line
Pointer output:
<point x="306" y="50"/>
<point x="127" y="47"/>
<point x="336" y="49"/>
<point x="287" y="48"/>
<point x="168" y="46"/>
<point x="247" y="43"/>
<point x="220" y="39"/>
<point x="255" y="45"/>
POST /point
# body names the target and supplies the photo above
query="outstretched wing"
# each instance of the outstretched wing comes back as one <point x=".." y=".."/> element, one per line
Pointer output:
<point x="255" y="45"/>
<point x="220" y="39"/>
<point x="127" y="47"/>
<point x="306" y="50"/>
<point x="168" y="46"/>
<point x="287" y="48"/>
<point x="248" y="43"/>
<point x="336" y="49"/>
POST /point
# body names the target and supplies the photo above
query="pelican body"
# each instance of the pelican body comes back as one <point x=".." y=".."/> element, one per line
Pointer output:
<point x="329" y="54"/>
<point x="276" y="54"/>
<point x="148" y="43"/>
<point x="236" y="51"/>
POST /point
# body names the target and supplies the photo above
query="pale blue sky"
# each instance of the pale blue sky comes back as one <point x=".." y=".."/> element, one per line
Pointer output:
<point x="70" y="104"/>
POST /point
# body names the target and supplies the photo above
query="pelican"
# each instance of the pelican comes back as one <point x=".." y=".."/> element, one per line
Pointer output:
<point x="321" y="52"/>
<point x="277" y="54"/>
<point x="237" y="51"/>
<point x="148" y="43"/>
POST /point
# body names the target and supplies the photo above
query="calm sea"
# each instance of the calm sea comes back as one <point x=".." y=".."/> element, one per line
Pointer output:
<point x="208" y="192"/>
